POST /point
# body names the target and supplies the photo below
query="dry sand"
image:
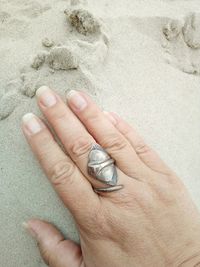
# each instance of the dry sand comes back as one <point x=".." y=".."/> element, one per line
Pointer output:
<point x="138" y="58"/>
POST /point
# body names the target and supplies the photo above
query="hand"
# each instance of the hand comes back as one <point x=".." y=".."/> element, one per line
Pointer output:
<point x="151" y="222"/>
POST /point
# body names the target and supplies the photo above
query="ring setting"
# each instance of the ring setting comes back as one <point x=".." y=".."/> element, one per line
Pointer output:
<point x="102" y="167"/>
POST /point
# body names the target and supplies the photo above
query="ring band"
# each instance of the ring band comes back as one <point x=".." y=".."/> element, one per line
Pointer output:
<point x="102" y="167"/>
<point x="108" y="189"/>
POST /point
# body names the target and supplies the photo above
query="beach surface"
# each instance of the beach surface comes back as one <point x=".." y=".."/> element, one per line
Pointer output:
<point x="139" y="58"/>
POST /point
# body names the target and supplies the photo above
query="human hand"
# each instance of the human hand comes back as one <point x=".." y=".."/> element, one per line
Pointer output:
<point x="151" y="222"/>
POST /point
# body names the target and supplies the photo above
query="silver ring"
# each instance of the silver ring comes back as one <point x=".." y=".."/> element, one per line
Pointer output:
<point x="102" y="167"/>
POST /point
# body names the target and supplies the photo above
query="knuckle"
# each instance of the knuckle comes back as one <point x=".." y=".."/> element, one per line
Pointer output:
<point x="45" y="254"/>
<point x="62" y="172"/>
<point x="114" y="142"/>
<point x="80" y="147"/>
<point x="142" y="148"/>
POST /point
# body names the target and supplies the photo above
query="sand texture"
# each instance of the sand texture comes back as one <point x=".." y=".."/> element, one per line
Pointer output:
<point x="139" y="58"/>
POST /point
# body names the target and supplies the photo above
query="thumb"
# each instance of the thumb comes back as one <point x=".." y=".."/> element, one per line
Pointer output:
<point x="54" y="249"/>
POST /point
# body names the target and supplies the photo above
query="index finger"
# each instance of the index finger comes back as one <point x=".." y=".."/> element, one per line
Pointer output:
<point x="73" y="188"/>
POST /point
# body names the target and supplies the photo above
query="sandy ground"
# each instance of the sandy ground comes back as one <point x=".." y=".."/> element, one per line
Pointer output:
<point x="138" y="58"/>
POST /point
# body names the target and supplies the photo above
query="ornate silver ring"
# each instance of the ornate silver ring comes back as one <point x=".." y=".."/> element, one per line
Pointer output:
<point x="102" y="167"/>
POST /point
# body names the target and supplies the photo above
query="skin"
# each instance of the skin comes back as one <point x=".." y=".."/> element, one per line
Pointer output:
<point x="151" y="222"/>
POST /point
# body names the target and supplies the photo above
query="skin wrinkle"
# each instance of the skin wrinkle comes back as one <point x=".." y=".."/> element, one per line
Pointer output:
<point x="81" y="147"/>
<point x="62" y="172"/>
<point x="197" y="255"/>
<point x="50" y="256"/>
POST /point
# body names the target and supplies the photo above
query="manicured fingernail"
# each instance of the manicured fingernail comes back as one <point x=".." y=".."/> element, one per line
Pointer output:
<point x="76" y="100"/>
<point x="29" y="229"/>
<point x="46" y="96"/>
<point x="111" y="118"/>
<point x="31" y="123"/>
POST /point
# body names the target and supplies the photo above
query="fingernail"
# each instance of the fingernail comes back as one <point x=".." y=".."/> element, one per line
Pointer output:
<point x="111" y="118"/>
<point x="76" y="100"/>
<point x="29" y="229"/>
<point x="46" y="96"/>
<point x="31" y="123"/>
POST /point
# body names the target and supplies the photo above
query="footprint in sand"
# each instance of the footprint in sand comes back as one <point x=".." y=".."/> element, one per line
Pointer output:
<point x="182" y="44"/>
<point x="88" y="47"/>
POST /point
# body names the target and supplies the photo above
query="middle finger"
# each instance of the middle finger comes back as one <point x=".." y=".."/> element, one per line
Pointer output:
<point x="71" y="132"/>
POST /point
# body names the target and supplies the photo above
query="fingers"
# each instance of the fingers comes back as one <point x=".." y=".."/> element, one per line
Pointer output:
<point x="146" y="154"/>
<point x="75" y="191"/>
<point x="106" y="134"/>
<point x="73" y="135"/>
<point x="55" y="250"/>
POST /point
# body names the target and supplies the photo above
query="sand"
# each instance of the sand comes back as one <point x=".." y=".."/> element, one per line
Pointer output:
<point x="139" y="58"/>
